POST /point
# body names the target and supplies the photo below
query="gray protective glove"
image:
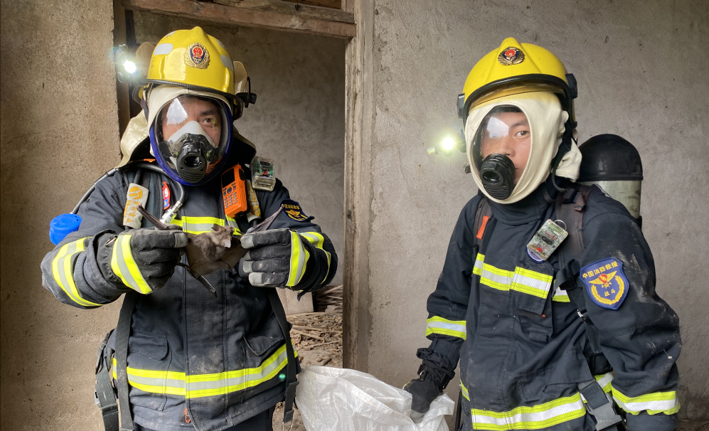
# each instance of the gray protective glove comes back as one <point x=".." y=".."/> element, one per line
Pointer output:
<point x="275" y="258"/>
<point x="142" y="259"/>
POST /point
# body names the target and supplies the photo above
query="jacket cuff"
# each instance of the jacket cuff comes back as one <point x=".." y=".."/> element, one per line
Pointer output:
<point x="646" y="422"/>
<point x="442" y="353"/>
<point x="314" y="271"/>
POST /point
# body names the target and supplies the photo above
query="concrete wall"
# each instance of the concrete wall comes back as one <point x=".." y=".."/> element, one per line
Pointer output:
<point x="298" y="119"/>
<point x="60" y="132"/>
<point x="640" y="75"/>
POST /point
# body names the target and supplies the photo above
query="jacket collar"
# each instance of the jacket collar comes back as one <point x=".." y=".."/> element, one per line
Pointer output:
<point x="529" y="209"/>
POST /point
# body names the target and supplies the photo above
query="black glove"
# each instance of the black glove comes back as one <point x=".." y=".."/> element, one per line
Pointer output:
<point x="430" y="384"/>
<point x="276" y="258"/>
<point x="142" y="259"/>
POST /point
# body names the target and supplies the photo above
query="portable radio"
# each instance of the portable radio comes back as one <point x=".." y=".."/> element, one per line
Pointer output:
<point x="234" y="191"/>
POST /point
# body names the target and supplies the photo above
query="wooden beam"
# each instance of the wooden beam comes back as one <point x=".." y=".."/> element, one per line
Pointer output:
<point x="122" y="92"/>
<point x="269" y="14"/>
<point x="334" y="4"/>
<point x="291" y="7"/>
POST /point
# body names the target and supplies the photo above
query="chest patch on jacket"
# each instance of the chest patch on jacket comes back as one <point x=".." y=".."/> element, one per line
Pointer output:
<point x="292" y="209"/>
<point x="606" y="283"/>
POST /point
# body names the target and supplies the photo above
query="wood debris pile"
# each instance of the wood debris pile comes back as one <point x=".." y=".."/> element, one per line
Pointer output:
<point x="328" y="299"/>
<point x="317" y="338"/>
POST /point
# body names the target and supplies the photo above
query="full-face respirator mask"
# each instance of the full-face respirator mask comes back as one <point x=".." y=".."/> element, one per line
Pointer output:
<point x="189" y="136"/>
<point x="511" y="142"/>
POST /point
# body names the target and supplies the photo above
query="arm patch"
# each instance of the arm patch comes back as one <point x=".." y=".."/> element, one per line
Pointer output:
<point x="605" y="283"/>
<point x="293" y="210"/>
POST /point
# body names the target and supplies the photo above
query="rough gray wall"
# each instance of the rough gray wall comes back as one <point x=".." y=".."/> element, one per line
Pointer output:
<point x="59" y="132"/>
<point x="298" y="119"/>
<point x="640" y="75"/>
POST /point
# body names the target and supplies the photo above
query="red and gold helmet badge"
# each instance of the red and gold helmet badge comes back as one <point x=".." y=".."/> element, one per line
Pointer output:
<point x="511" y="56"/>
<point x="197" y="56"/>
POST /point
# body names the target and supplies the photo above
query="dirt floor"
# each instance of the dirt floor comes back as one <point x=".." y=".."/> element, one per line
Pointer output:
<point x="318" y="340"/>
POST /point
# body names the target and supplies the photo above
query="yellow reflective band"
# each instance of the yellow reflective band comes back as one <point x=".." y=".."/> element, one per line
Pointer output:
<point x="560" y="295"/>
<point x="658" y="402"/>
<point x="197" y="225"/>
<point x="522" y="280"/>
<point x="124" y="266"/>
<point x="531" y="282"/>
<point x="452" y="328"/>
<point x="206" y="385"/>
<point x="318" y="240"/>
<point x="242" y="379"/>
<point x="298" y="260"/>
<point x="63" y="271"/>
<point x="530" y="418"/>
<point x="604" y="381"/>
<point x="138" y="379"/>
<point x="231" y="222"/>
<point x="464" y="391"/>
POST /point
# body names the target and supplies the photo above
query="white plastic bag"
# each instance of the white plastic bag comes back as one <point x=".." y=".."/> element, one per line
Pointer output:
<point x="340" y="399"/>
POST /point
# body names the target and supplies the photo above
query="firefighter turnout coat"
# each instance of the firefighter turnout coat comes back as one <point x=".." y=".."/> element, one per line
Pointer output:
<point x="523" y="348"/>
<point x="194" y="362"/>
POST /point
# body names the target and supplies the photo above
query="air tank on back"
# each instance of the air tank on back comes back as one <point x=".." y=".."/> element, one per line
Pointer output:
<point x="614" y="164"/>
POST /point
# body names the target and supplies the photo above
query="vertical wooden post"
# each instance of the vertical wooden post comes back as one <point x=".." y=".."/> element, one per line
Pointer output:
<point x="359" y="108"/>
<point x="122" y="91"/>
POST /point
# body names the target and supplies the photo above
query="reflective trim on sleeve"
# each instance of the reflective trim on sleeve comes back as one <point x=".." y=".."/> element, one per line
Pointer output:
<point x="298" y="259"/>
<point x="318" y="240"/>
<point x="530" y="418"/>
<point x="63" y="271"/>
<point x="560" y="295"/>
<point x="604" y="380"/>
<point x="197" y="225"/>
<point x="206" y="385"/>
<point x="522" y="280"/>
<point x="124" y="266"/>
<point x="464" y="391"/>
<point x="452" y="328"/>
<point x="658" y="402"/>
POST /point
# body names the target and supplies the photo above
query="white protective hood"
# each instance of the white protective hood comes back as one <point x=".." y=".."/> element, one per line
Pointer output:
<point x="546" y="120"/>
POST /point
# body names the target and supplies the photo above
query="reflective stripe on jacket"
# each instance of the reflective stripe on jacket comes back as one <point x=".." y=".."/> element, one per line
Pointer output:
<point x="193" y="360"/>
<point x="521" y="345"/>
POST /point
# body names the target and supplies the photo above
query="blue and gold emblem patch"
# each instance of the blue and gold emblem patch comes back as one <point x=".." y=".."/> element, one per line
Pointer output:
<point x="606" y="283"/>
<point x="292" y="209"/>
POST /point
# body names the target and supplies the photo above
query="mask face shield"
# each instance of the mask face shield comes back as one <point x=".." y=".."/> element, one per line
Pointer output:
<point x="501" y="148"/>
<point x="190" y="137"/>
<point x="511" y="142"/>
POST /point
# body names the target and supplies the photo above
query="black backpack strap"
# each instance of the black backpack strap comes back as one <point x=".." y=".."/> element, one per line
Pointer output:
<point x="291" y="379"/>
<point x="570" y="208"/>
<point x="122" y="334"/>
<point x="483" y="216"/>
<point x="105" y="395"/>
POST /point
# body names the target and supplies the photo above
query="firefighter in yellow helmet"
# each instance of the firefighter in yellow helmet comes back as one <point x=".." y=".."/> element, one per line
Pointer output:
<point x="182" y="357"/>
<point x="547" y="295"/>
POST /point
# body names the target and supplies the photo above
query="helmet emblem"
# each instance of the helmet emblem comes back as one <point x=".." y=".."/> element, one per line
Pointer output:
<point x="197" y="56"/>
<point x="511" y="56"/>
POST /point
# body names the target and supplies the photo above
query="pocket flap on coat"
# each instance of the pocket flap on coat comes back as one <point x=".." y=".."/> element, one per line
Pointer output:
<point x="149" y="345"/>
